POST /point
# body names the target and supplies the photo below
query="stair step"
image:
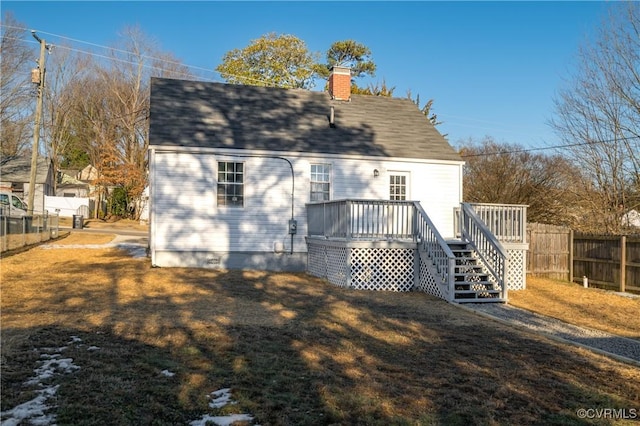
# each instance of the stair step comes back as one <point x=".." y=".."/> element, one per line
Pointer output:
<point x="471" y="265"/>
<point x="470" y="287"/>
<point x="483" y="282"/>
<point x="454" y="251"/>
<point x="471" y="281"/>
<point x="473" y="294"/>
<point x="466" y="259"/>
<point x="471" y="274"/>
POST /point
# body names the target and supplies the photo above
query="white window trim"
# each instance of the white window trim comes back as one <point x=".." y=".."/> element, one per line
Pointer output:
<point x="330" y="182"/>
<point x="405" y="173"/>
<point x="244" y="184"/>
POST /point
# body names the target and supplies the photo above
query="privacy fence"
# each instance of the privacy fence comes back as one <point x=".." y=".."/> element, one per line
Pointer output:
<point x="607" y="261"/>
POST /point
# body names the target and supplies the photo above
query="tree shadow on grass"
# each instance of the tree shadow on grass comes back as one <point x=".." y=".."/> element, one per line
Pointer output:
<point x="111" y="380"/>
<point x="296" y="350"/>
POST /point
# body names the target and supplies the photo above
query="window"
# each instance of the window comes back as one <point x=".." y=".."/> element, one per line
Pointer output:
<point x="230" y="184"/>
<point x="320" y="182"/>
<point x="398" y="187"/>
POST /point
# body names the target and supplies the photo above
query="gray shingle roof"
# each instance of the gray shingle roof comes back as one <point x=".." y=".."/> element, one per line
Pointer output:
<point x="202" y="114"/>
<point x="18" y="169"/>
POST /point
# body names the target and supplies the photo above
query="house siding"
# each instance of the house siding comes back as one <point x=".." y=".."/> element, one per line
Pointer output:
<point x="189" y="229"/>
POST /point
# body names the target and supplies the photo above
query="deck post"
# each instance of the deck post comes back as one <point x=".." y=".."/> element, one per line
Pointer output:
<point x="349" y="233"/>
<point x="416" y="268"/>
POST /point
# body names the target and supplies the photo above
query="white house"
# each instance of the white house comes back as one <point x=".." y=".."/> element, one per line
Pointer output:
<point x="631" y="219"/>
<point x="230" y="165"/>
<point x="15" y="174"/>
<point x="234" y="169"/>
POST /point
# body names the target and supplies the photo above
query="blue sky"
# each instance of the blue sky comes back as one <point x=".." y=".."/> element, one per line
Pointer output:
<point x="492" y="68"/>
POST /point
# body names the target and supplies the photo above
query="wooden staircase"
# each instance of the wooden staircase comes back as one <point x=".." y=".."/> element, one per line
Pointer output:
<point x="472" y="283"/>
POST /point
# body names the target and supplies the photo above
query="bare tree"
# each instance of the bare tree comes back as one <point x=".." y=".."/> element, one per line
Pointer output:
<point x="17" y="99"/>
<point x="63" y="70"/>
<point x="598" y="115"/>
<point x="113" y="109"/>
<point x="507" y="173"/>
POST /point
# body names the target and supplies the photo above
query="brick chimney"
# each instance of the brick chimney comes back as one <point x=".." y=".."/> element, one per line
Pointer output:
<point x="340" y="83"/>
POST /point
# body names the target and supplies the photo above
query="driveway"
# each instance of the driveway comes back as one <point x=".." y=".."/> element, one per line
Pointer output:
<point x="130" y="235"/>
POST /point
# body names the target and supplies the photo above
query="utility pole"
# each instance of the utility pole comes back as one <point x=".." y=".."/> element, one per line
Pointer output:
<point x="37" y="77"/>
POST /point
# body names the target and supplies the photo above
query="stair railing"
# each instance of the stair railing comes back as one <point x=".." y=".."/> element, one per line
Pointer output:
<point x="491" y="252"/>
<point x="430" y="241"/>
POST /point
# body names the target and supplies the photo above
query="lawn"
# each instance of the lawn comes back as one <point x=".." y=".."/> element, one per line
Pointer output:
<point x="146" y="345"/>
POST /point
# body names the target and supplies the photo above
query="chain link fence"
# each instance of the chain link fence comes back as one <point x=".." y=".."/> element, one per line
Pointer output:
<point x="17" y="232"/>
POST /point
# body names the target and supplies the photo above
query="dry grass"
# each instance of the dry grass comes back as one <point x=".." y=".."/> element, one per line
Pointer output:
<point x="294" y="349"/>
<point x="590" y="307"/>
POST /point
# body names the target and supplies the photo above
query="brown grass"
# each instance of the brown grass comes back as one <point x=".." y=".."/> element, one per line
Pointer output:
<point x="294" y="349"/>
<point x="590" y="307"/>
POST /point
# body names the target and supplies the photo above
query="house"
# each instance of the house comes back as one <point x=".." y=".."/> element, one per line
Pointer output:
<point x="70" y="186"/>
<point x="15" y="175"/>
<point x="240" y="176"/>
<point x="631" y="219"/>
<point x="73" y="183"/>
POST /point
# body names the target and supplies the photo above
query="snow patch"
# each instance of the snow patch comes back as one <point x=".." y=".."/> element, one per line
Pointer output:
<point x="35" y="410"/>
<point x="219" y="399"/>
<point x="222" y="420"/>
<point x="167" y="373"/>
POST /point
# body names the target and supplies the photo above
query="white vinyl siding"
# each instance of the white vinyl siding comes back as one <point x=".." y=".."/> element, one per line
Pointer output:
<point x="187" y="216"/>
<point x="184" y="194"/>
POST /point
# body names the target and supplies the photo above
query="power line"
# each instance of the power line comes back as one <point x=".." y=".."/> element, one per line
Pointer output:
<point x="571" y="145"/>
<point x="255" y="80"/>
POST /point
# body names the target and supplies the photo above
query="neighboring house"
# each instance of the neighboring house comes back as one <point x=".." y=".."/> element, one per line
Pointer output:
<point x="80" y="183"/>
<point x="631" y="219"/>
<point x="70" y="186"/>
<point x="244" y="177"/>
<point x="222" y="159"/>
<point x="15" y="175"/>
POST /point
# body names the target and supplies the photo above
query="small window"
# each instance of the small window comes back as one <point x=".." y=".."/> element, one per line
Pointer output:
<point x="320" y="182"/>
<point x="230" y="184"/>
<point x="398" y="187"/>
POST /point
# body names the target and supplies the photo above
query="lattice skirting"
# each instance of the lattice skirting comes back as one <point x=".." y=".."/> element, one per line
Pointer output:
<point x="362" y="268"/>
<point x="389" y="269"/>
<point x="427" y="280"/>
<point x="516" y="269"/>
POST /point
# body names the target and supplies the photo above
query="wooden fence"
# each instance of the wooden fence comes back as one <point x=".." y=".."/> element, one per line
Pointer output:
<point x="611" y="262"/>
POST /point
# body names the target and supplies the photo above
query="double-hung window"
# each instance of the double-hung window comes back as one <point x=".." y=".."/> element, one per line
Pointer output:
<point x="320" y="182"/>
<point x="230" y="184"/>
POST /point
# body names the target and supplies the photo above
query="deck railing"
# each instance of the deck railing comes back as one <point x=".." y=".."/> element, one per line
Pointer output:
<point x="362" y="219"/>
<point x="475" y="232"/>
<point x="508" y="222"/>
<point x="388" y="220"/>
<point x="431" y="242"/>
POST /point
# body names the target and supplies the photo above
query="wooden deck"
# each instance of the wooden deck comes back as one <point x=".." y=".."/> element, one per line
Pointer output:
<point x="394" y="246"/>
